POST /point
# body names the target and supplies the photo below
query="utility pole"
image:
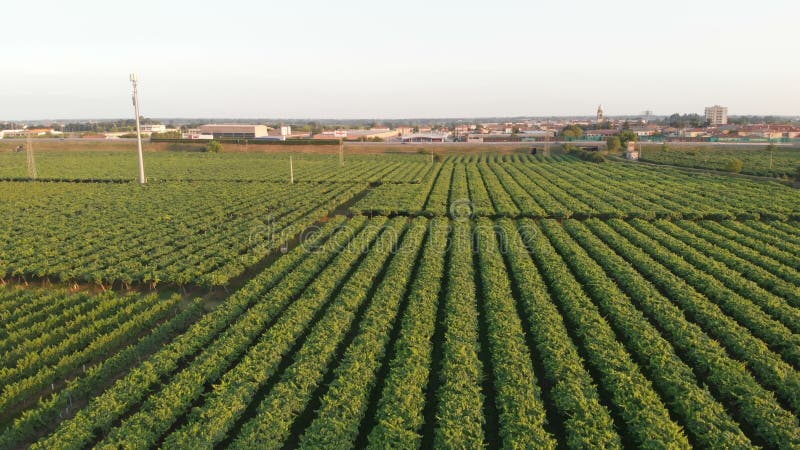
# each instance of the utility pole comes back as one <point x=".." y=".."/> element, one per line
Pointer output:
<point x="291" y="170"/>
<point x="341" y="152"/>
<point x="32" y="174"/>
<point x="771" y="151"/>
<point x="135" y="81"/>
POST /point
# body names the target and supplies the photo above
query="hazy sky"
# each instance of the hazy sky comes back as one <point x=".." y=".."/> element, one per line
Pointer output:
<point x="373" y="59"/>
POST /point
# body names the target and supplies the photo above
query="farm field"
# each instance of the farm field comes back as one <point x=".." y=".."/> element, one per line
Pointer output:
<point x="482" y="301"/>
<point x="755" y="161"/>
<point x="537" y="187"/>
<point x="200" y="166"/>
<point x="191" y="232"/>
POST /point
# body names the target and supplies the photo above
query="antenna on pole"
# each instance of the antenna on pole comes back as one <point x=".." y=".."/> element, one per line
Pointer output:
<point x="32" y="174"/>
<point x="291" y="170"/>
<point x="135" y="81"/>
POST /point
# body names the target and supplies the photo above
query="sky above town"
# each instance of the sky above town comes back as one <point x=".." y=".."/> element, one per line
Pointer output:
<point x="370" y="59"/>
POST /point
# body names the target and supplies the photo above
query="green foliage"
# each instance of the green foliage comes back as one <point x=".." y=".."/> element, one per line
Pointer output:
<point x="160" y="411"/>
<point x="460" y="396"/>
<point x="28" y="426"/>
<point x="613" y="143"/>
<point x="572" y="132"/>
<point x="273" y="418"/>
<point x="686" y="121"/>
<point x="190" y="233"/>
<point x="562" y="186"/>
<point x="400" y="409"/>
<point x="344" y="405"/>
<point x="626" y="136"/>
<point x="500" y="322"/>
<point x="586" y="420"/>
<point x="518" y="398"/>
<point x="585" y="155"/>
<point x="755" y="159"/>
<point x="639" y="403"/>
<point x="214" y="147"/>
<point x="670" y="374"/>
<point x="702" y="340"/>
<point x="187" y="161"/>
<point x="734" y="166"/>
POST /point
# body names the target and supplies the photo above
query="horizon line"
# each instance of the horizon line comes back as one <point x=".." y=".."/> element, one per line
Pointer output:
<point x="365" y="119"/>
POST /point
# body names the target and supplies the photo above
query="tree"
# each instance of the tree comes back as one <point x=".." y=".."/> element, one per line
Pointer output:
<point x="314" y="128"/>
<point x="613" y="143"/>
<point x="686" y="120"/>
<point x="734" y="166"/>
<point x="214" y="147"/>
<point x="627" y="135"/>
<point x="572" y="132"/>
<point x="664" y="147"/>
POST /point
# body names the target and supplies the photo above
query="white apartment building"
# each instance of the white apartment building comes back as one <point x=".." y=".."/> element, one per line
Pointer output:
<point x="717" y="115"/>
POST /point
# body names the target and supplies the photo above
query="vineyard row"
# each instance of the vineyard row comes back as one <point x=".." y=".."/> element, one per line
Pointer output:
<point x="398" y="332"/>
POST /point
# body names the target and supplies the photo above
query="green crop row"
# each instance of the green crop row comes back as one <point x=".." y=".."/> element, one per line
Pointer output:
<point x="708" y="339"/>
<point x="399" y="415"/>
<point x="101" y="413"/>
<point x="671" y="377"/>
<point x="289" y="396"/>
<point x="646" y="417"/>
<point x="580" y="190"/>
<point x="162" y="409"/>
<point x="342" y="408"/>
<point x="459" y="397"/>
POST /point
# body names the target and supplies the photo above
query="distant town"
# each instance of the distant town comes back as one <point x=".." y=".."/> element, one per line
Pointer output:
<point x="714" y="125"/>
